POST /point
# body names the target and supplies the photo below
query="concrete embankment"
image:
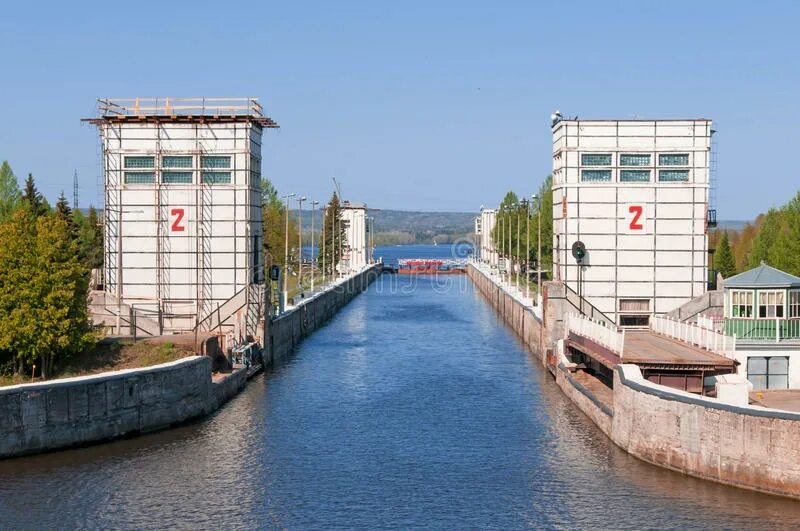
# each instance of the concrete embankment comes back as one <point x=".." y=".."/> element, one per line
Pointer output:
<point x="287" y="330"/>
<point x="76" y="411"/>
<point x="744" y="446"/>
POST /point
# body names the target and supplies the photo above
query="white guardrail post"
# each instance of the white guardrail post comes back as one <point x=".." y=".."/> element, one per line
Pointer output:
<point x="610" y="338"/>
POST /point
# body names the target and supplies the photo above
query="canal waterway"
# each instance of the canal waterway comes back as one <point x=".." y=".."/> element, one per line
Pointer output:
<point x="414" y="407"/>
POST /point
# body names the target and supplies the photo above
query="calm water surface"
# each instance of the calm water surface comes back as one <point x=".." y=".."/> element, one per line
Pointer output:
<point x="414" y="407"/>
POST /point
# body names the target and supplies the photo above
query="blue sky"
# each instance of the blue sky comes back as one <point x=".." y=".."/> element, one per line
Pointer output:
<point x="412" y="105"/>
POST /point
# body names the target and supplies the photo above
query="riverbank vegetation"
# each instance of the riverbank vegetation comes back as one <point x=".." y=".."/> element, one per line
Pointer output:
<point x="516" y="230"/>
<point x="46" y="257"/>
<point x="773" y="237"/>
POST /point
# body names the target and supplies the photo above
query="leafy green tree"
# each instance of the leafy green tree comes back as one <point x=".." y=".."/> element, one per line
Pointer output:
<point x="33" y="199"/>
<point x="545" y="202"/>
<point x="89" y="237"/>
<point x="723" y="257"/>
<point x="9" y="192"/>
<point x="43" y="290"/>
<point x="273" y="214"/>
<point x="334" y="239"/>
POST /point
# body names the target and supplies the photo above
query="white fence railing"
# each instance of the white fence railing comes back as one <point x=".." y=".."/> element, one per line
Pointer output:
<point x="711" y="322"/>
<point x="611" y="338"/>
<point x="704" y="337"/>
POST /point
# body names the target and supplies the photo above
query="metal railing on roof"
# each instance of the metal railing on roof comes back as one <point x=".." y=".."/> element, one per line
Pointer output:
<point x="179" y="106"/>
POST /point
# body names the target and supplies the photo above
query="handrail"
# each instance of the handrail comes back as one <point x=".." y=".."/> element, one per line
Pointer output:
<point x="703" y="337"/>
<point x="582" y="305"/>
<point x="611" y="338"/>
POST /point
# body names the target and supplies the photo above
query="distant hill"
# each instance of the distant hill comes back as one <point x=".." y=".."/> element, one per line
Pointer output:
<point x="731" y="224"/>
<point x="404" y="226"/>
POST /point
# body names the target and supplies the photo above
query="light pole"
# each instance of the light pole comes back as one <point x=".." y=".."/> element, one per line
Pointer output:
<point x="300" y="242"/>
<point x="324" y="212"/>
<point x="502" y="239"/>
<point x="528" y="247"/>
<point x="285" y="296"/>
<point x="519" y="265"/>
<point x="313" y="205"/>
<point x="538" y="248"/>
<point x="510" y="255"/>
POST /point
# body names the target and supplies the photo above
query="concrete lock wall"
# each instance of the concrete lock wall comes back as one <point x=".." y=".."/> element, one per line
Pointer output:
<point x="744" y="446"/>
<point x="73" y="411"/>
<point x="284" y="332"/>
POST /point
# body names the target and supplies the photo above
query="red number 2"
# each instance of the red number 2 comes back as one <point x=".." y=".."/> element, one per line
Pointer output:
<point x="176" y="225"/>
<point x="636" y="210"/>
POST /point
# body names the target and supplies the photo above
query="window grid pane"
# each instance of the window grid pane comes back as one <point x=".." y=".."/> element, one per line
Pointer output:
<point x="215" y="161"/>
<point x="673" y="175"/>
<point x="673" y="159"/>
<point x="634" y="176"/>
<point x="595" y="175"/>
<point x="139" y="162"/>
<point x="596" y="159"/>
<point x="637" y="159"/>
<point x="216" y="177"/>
<point x="176" y="177"/>
<point x="176" y="162"/>
<point x="140" y="177"/>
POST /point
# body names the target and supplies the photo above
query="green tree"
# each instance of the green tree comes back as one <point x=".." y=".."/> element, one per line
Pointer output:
<point x="9" y="192"/>
<point x="43" y="290"/>
<point x="273" y="217"/>
<point x="334" y="239"/>
<point x="33" y="199"/>
<point x="64" y="212"/>
<point x="545" y="202"/>
<point x="723" y="257"/>
<point x="89" y="237"/>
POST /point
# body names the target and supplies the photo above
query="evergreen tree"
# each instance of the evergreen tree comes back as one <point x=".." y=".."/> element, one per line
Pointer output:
<point x="64" y="212"/>
<point x="43" y="289"/>
<point x="334" y="238"/>
<point x="33" y="199"/>
<point x="723" y="257"/>
<point x="9" y="192"/>
<point x="89" y="237"/>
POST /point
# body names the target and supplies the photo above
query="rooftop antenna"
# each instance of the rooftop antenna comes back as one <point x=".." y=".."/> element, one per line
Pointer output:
<point x="75" y="191"/>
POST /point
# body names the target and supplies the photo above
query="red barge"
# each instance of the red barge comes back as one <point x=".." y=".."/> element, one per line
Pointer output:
<point x="436" y="266"/>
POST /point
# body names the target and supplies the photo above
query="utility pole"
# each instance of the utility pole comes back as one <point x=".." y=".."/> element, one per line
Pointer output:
<point x="313" y="204"/>
<point x="75" y="191"/>
<point x="300" y="242"/>
<point x="285" y="296"/>
<point x="324" y="213"/>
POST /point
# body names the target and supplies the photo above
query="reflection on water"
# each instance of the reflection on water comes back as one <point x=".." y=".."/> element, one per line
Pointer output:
<point x="407" y="410"/>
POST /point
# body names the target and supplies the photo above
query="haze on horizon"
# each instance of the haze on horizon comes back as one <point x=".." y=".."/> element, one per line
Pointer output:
<point x="412" y="106"/>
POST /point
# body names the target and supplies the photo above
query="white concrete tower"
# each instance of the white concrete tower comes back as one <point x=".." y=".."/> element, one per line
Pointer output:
<point x="635" y="192"/>
<point x="183" y="238"/>
<point x="356" y="255"/>
<point x="488" y="252"/>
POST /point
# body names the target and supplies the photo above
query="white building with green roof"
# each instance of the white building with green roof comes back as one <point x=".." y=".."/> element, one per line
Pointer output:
<point x="762" y="309"/>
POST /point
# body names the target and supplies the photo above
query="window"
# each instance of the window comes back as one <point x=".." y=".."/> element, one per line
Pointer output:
<point x="673" y="159"/>
<point x="596" y="159"/>
<point x="670" y="176"/>
<point x="216" y="177"/>
<point x="741" y="303"/>
<point x="635" y="159"/>
<point x="634" y="176"/>
<point x="595" y="175"/>
<point x="176" y="162"/>
<point x="794" y="304"/>
<point x="215" y="161"/>
<point x="139" y="162"/>
<point x="634" y="305"/>
<point x="176" y="177"/>
<point x="770" y="372"/>
<point x="770" y="304"/>
<point x="140" y="177"/>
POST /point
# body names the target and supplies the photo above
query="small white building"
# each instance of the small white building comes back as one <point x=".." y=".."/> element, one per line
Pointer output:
<point x="358" y="251"/>
<point x="635" y="192"/>
<point x="487" y="249"/>
<point x="183" y="238"/>
<point x="762" y="309"/>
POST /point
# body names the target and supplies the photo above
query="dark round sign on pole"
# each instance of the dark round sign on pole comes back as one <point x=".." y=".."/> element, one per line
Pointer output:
<point x="578" y="250"/>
